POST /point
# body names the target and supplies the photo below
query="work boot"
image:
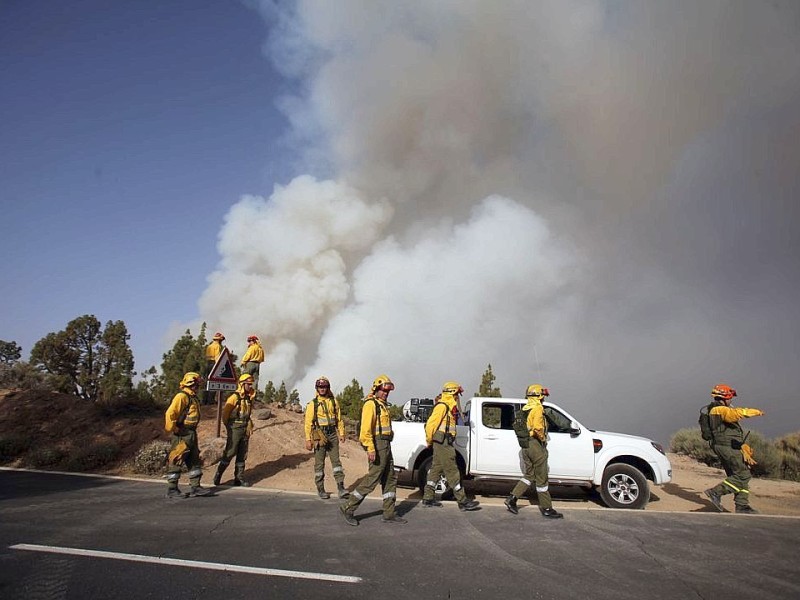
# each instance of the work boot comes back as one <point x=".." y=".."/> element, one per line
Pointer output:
<point x="468" y="505"/>
<point x="511" y="504"/>
<point x="348" y="516"/>
<point x="198" y="490"/>
<point x="241" y="482"/>
<point x="746" y="510"/>
<point x="217" y="477"/>
<point x="431" y="503"/>
<point x="716" y="499"/>
<point x="322" y="493"/>
<point x="550" y="513"/>
<point x="175" y="493"/>
<point x="343" y="493"/>
<point x="394" y="519"/>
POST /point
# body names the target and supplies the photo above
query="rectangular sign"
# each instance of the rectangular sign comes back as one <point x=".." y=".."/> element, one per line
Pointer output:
<point x="218" y="385"/>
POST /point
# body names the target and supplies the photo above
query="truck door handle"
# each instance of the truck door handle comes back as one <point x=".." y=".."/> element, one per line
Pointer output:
<point x="491" y="437"/>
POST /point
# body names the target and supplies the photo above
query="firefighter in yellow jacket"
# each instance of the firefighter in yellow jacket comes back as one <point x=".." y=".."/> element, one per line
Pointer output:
<point x="324" y="431"/>
<point x="252" y="359"/>
<point x="213" y="350"/>
<point x="376" y="436"/>
<point x="236" y="414"/>
<point x="729" y="445"/>
<point x="181" y="421"/>
<point x="440" y="432"/>
<point x="535" y="456"/>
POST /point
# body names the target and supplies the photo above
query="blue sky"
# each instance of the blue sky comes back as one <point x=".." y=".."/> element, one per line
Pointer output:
<point x="600" y="195"/>
<point x="129" y="129"/>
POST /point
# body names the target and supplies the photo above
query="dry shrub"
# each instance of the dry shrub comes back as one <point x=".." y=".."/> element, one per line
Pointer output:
<point x="789" y="450"/>
<point x="151" y="459"/>
<point x="93" y="456"/>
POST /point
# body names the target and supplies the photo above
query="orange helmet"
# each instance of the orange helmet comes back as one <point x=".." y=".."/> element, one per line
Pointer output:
<point x="723" y="391"/>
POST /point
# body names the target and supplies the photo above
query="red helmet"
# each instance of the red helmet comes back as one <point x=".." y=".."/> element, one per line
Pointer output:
<point x="252" y="338"/>
<point x="723" y="391"/>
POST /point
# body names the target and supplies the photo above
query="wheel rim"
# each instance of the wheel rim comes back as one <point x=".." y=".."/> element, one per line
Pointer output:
<point x="623" y="488"/>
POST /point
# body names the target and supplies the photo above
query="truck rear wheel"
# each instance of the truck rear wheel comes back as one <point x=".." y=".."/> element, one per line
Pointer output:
<point x="624" y="486"/>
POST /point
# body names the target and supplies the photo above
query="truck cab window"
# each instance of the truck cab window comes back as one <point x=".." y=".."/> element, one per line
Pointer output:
<point x="498" y="416"/>
<point x="557" y="422"/>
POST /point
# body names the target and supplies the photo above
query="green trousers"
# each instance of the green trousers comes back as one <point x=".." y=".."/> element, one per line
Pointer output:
<point x="381" y="470"/>
<point x="331" y="449"/>
<point x="534" y="457"/>
<point x="236" y="445"/>
<point x="191" y="459"/>
<point x="737" y="481"/>
<point x="444" y="463"/>
<point x="252" y="368"/>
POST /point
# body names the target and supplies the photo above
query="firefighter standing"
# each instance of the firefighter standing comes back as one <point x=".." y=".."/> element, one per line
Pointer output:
<point x="440" y="432"/>
<point x="324" y="430"/>
<point x="236" y="414"/>
<point x="213" y="350"/>
<point x="535" y="456"/>
<point x="376" y="435"/>
<point x="728" y="444"/>
<point x="181" y="421"/>
<point x="252" y="359"/>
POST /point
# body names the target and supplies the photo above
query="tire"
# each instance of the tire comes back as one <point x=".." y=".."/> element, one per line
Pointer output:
<point x="422" y="479"/>
<point x="624" y="486"/>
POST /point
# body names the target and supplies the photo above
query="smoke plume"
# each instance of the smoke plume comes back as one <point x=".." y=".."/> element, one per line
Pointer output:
<point x="597" y="195"/>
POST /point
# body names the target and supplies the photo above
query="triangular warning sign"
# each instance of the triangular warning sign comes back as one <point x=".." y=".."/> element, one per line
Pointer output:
<point x="223" y="369"/>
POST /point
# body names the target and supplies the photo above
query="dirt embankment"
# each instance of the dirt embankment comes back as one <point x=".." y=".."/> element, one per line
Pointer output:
<point x="70" y="431"/>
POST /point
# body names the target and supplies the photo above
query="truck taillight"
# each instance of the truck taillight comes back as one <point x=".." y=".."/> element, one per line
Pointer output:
<point x="598" y="445"/>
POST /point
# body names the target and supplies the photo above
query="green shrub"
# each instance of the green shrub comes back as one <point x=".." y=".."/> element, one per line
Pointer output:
<point x="92" y="457"/>
<point x="45" y="456"/>
<point x="766" y="455"/>
<point x="689" y="443"/>
<point x="151" y="459"/>
<point x="789" y="451"/>
<point x="12" y="445"/>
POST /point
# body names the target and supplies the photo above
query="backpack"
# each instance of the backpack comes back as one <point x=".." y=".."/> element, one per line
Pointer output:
<point x="521" y="428"/>
<point x="706" y="432"/>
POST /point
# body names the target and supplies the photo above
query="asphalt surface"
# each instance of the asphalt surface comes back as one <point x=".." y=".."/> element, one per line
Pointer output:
<point x="135" y="543"/>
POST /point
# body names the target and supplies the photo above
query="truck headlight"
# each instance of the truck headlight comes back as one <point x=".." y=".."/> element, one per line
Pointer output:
<point x="659" y="448"/>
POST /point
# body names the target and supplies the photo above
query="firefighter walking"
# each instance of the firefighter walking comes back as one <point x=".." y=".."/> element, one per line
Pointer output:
<point x="181" y="419"/>
<point x="376" y="436"/>
<point x="535" y="456"/>
<point x="440" y="432"/>
<point x="236" y="414"/>
<point x="728" y="442"/>
<point x="324" y="431"/>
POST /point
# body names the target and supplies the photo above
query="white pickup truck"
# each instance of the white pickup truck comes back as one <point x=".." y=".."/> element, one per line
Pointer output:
<point x="487" y="448"/>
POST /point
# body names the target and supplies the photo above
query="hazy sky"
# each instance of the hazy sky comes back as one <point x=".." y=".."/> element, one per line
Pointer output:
<point x="598" y="195"/>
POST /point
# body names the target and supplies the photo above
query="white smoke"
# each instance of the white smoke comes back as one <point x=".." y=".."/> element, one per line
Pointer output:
<point x="510" y="183"/>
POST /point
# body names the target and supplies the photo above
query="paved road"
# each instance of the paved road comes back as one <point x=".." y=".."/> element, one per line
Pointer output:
<point x="297" y="546"/>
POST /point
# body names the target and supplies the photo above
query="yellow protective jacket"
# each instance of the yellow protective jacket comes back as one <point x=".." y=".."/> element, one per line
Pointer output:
<point x="443" y="418"/>
<point x="725" y="422"/>
<point x="537" y="424"/>
<point x="329" y="414"/>
<point x="184" y="406"/>
<point x="237" y="408"/>
<point x="375" y="420"/>
<point x="255" y="353"/>
<point x="213" y="350"/>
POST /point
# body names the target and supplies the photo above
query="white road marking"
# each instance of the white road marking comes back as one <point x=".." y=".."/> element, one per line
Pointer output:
<point x="194" y="564"/>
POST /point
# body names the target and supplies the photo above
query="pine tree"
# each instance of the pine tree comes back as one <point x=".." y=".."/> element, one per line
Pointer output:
<point x="486" y="389"/>
<point x="350" y="399"/>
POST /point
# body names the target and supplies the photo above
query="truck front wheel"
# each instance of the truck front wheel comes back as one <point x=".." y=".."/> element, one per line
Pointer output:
<point x="624" y="486"/>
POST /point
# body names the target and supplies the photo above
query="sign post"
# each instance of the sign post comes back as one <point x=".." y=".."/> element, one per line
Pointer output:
<point x="222" y="377"/>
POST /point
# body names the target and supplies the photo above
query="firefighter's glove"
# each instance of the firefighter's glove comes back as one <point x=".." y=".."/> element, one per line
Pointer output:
<point x="178" y="453"/>
<point x="747" y="454"/>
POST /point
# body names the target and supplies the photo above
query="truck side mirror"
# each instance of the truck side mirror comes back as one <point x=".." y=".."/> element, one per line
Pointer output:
<point x="574" y="430"/>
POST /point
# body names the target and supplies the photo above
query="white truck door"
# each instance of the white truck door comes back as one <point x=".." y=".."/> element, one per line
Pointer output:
<point x="495" y="450"/>
<point x="570" y="448"/>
